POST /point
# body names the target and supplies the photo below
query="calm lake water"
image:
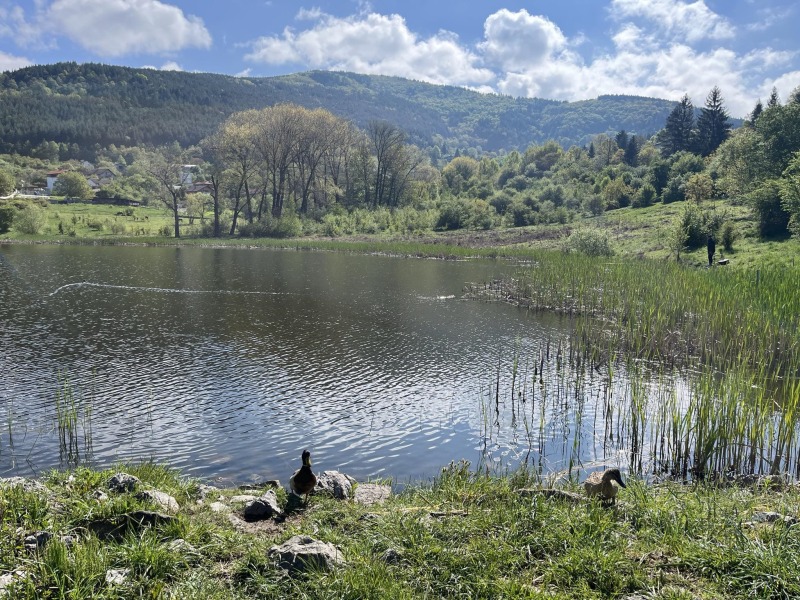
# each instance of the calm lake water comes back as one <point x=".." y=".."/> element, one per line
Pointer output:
<point x="227" y="363"/>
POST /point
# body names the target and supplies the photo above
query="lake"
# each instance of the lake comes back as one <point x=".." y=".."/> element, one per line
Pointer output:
<point x="227" y="363"/>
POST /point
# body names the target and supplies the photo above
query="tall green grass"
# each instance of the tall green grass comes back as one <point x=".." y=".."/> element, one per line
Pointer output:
<point x="709" y="356"/>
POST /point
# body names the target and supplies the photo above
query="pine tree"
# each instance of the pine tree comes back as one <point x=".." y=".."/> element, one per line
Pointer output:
<point x="757" y="110"/>
<point x="632" y="152"/>
<point x="678" y="130"/>
<point x="713" y="126"/>
<point x="774" y="100"/>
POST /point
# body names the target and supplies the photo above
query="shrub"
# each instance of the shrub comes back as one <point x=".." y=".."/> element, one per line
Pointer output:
<point x="453" y="214"/>
<point x="693" y="225"/>
<point x="772" y="217"/>
<point x="30" y="220"/>
<point x="6" y="218"/>
<point x="590" y="241"/>
<point x="646" y="196"/>
<point x="729" y="236"/>
<point x="286" y="226"/>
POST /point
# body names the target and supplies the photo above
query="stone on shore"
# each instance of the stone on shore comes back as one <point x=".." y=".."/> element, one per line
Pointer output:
<point x="302" y="552"/>
<point x="122" y="482"/>
<point x="372" y="493"/>
<point x="337" y="484"/>
<point x="262" y="508"/>
<point x="162" y="499"/>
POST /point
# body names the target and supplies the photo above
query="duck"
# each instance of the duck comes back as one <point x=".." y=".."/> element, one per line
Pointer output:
<point x="601" y="484"/>
<point x="303" y="480"/>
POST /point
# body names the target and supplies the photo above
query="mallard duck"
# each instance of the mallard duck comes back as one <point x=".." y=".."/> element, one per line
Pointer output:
<point x="303" y="480"/>
<point x="600" y="483"/>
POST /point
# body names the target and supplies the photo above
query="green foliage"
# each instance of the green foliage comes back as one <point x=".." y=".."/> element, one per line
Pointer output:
<point x="645" y="196"/>
<point x="590" y="241"/>
<point x="30" y="219"/>
<point x="692" y="224"/>
<point x="729" y="235"/>
<point x="73" y="185"/>
<point x="88" y="104"/>
<point x="6" y="218"/>
<point x="459" y="213"/>
<point x="287" y="226"/>
<point x="6" y="182"/>
<point x="789" y="188"/>
<point x="771" y="216"/>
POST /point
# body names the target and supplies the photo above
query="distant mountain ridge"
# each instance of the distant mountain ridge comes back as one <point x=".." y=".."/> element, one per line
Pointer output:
<point x="89" y="104"/>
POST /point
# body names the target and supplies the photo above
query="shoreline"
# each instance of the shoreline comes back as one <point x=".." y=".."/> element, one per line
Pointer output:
<point x="101" y="534"/>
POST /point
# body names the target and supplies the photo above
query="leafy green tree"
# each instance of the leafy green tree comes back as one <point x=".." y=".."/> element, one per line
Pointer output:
<point x="6" y="183"/>
<point x="459" y="174"/>
<point x="678" y="132"/>
<point x="73" y="185"/>
<point x="771" y="215"/>
<point x="699" y="187"/>
<point x="30" y="219"/>
<point x="741" y="162"/>
<point x="713" y="126"/>
<point x="789" y="187"/>
<point x="6" y="218"/>
<point x="780" y="128"/>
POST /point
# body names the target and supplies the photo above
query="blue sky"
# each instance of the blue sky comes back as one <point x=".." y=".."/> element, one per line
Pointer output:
<point x="562" y="49"/>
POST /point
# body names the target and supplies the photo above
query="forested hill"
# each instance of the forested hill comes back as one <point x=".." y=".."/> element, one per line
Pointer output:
<point x="91" y="104"/>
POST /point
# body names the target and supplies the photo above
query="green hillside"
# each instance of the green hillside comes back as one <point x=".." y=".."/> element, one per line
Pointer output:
<point x="91" y="104"/>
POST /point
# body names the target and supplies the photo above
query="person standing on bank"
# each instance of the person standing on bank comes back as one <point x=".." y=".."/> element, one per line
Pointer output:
<point x="712" y="247"/>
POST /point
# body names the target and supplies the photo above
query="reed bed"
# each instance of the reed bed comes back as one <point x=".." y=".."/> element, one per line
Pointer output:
<point x="710" y="380"/>
<point x="73" y="420"/>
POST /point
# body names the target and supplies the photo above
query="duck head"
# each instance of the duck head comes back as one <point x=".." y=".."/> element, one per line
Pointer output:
<point x="613" y="475"/>
<point x="307" y="458"/>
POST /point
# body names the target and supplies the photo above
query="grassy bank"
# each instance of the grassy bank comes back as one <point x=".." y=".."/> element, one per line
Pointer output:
<point x="633" y="233"/>
<point x="465" y="535"/>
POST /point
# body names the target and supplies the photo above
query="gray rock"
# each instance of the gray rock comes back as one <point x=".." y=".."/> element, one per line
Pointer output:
<point x="336" y="484"/>
<point x="372" y="493"/>
<point x="243" y="498"/>
<point x="303" y="552"/>
<point x="37" y="540"/>
<point x="182" y="546"/>
<point x="205" y="491"/>
<point x="122" y="482"/>
<point x="771" y="517"/>
<point x="262" y="508"/>
<point x="164" y="500"/>
<point x="391" y="556"/>
<point x="259" y="485"/>
<point x="100" y="496"/>
<point x="8" y="580"/>
<point x="218" y="507"/>
<point x="29" y="485"/>
<point x="117" y="576"/>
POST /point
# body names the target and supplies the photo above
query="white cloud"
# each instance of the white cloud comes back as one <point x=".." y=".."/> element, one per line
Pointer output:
<point x="9" y="62"/>
<point x="111" y="28"/>
<point x="167" y="66"/>
<point x="689" y="21"/>
<point x="514" y="40"/>
<point x="372" y="43"/>
<point x="657" y="51"/>
<point x="785" y="84"/>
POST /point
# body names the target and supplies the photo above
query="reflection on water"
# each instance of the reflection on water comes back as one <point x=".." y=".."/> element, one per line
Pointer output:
<point x="227" y="363"/>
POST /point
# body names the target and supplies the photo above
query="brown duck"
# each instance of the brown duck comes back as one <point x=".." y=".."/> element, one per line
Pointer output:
<point x="601" y="484"/>
<point x="303" y="480"/>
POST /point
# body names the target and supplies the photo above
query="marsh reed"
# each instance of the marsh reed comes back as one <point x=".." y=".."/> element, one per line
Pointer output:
<point x="688" y="373"/>
<point x="73" y="420"/>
